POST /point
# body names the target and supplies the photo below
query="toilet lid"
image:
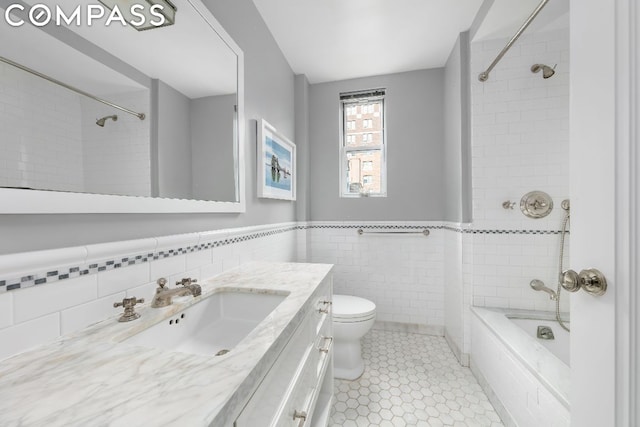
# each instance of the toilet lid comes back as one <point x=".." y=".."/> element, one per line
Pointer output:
<point x="350" y="307"/>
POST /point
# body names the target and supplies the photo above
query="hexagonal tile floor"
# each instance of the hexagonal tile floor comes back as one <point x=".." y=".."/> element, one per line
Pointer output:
<point x="411" y="380"/>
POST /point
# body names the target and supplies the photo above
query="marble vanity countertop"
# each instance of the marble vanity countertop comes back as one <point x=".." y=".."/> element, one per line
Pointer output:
<point x="91" y="379"/>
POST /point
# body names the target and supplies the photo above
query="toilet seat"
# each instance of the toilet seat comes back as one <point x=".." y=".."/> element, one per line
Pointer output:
<point x="350" y="309"/>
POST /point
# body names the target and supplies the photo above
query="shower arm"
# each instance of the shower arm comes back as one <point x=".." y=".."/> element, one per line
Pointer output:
<point x="141" y="116"/>
<point x="484" y="76"/>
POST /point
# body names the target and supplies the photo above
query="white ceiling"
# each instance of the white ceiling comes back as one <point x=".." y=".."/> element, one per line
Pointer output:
<point x="506" y="16"/>
<point x="340" y="39"/>
<point x="39" y="51"/>
<point x="189" y="56"/>
<point x="332" y="40"/>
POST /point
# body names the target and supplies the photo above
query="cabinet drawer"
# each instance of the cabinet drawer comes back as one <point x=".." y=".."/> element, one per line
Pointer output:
<point x="271" y="394"/>
<point x="323" y="344"/>
<point x="288" y="393"/>
<point x="297" y="409"/>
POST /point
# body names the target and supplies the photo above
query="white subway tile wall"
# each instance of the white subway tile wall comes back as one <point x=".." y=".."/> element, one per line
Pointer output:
<point x="37" y="301"/>
<point x="51" y="140"/>
<point x="117" y="157"/>
<point x="79" y="316"/>
<point x="401" y="274"/>
<point x="41" y="144"/>
<point x="120" y="279"/>
<point x="504" y="265"/>
<point x="453" y="289"/>
<point x="25" y="335"/>
<point x="41" y="313"/>
<point x="6" y="309"/>
<point x="520" y="143"/>
<point x="467" y="288"/>
<point x="520" y="129"/>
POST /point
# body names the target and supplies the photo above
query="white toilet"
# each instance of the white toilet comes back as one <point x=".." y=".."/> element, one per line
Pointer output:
<point x="352" y="318"/>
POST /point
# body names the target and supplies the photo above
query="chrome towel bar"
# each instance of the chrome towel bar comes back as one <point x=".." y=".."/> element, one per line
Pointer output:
<point x="424" y="232"/>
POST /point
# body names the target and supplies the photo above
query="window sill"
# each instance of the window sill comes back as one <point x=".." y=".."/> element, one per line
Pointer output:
<point x="362" y="195"/>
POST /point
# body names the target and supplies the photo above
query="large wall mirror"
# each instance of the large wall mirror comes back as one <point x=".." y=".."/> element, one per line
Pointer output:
<point x="167" y="139"/>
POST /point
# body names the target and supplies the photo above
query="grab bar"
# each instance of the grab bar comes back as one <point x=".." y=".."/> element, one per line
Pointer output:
<point x="424" y="232"/>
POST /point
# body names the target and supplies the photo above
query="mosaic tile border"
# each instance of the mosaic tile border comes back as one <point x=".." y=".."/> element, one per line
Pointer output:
<point x="475" y="231"/>
<point x="56" y="275"/>
<point x="438" y="227"/>
<point x="59" y="274"/>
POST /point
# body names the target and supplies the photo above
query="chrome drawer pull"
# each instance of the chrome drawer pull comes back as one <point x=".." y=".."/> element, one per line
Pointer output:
<point x="326" y="309"/>
<point x="302" y="415"/>
<point x="326" y="349"/>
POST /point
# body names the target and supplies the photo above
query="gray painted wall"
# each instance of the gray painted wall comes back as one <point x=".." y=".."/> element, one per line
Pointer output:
<point x="302" y="147"/>
<point x="453" y="136"/>
<point x="415" y="149"/>
<point x="269" y="93"/>
<point x="465" y="102"/>
<point x="457" y="153"/>
<point x="174" y="143"/>
<point x="212" y="159"/>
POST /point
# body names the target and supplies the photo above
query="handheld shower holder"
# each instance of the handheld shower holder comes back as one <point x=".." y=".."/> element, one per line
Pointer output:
<point x="591" y="280"/>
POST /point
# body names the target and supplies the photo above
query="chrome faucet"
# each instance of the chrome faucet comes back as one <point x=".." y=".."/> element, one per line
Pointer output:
<point x="164" y="296"/>
<point x="538" y="285"/>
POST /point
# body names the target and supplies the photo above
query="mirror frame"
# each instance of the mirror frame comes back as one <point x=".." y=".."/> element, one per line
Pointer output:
<point x="16" y="201"/>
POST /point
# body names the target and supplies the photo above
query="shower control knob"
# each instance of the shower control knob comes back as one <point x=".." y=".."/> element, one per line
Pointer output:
<point x="591" y="280"/>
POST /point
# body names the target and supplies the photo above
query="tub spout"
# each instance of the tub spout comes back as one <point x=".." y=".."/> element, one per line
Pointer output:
<point x="538" y="285"/>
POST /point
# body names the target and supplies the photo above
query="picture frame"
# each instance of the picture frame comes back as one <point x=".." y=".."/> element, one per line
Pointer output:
<point x="276" y="161"/>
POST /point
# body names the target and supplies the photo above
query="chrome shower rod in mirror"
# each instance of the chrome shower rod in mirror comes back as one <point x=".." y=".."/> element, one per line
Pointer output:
<point x="141" y="116"/>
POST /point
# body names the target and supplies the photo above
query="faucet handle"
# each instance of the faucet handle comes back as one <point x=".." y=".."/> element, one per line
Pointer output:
<point x="128" y="302"/>
<point x="162" y="282"/>
<point x="186" y="281"/>
<point x="129" y="312"/>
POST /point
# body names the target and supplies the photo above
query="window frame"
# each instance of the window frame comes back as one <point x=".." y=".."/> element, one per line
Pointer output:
<point x="357" y="98"/>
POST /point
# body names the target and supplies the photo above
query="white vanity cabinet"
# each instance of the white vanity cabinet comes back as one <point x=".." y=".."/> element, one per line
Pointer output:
<point x="297" y="389"/>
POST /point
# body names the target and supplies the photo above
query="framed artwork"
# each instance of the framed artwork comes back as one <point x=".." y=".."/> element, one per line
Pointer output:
<point x="276" y="164"/>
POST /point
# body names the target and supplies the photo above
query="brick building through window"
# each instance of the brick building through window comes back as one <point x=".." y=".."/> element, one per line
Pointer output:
<point x="363" y="145"/>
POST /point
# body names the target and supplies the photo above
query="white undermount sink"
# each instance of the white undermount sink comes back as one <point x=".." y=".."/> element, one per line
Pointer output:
<point x="211" y="327"/>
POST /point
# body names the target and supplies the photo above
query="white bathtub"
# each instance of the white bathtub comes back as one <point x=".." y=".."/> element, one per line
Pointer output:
<point x="558" y="346"/>
<point x="526" y="381"/>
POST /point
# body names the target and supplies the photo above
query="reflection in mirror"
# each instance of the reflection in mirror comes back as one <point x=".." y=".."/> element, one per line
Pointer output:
<point x="184" y="78"/>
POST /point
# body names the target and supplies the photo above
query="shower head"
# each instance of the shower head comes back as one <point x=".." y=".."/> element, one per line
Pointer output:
<point x="546" y="70"/>
<point x="100" y="122"/>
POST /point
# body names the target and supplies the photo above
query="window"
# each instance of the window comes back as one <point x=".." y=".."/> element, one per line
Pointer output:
<point x="363" y="152"/>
